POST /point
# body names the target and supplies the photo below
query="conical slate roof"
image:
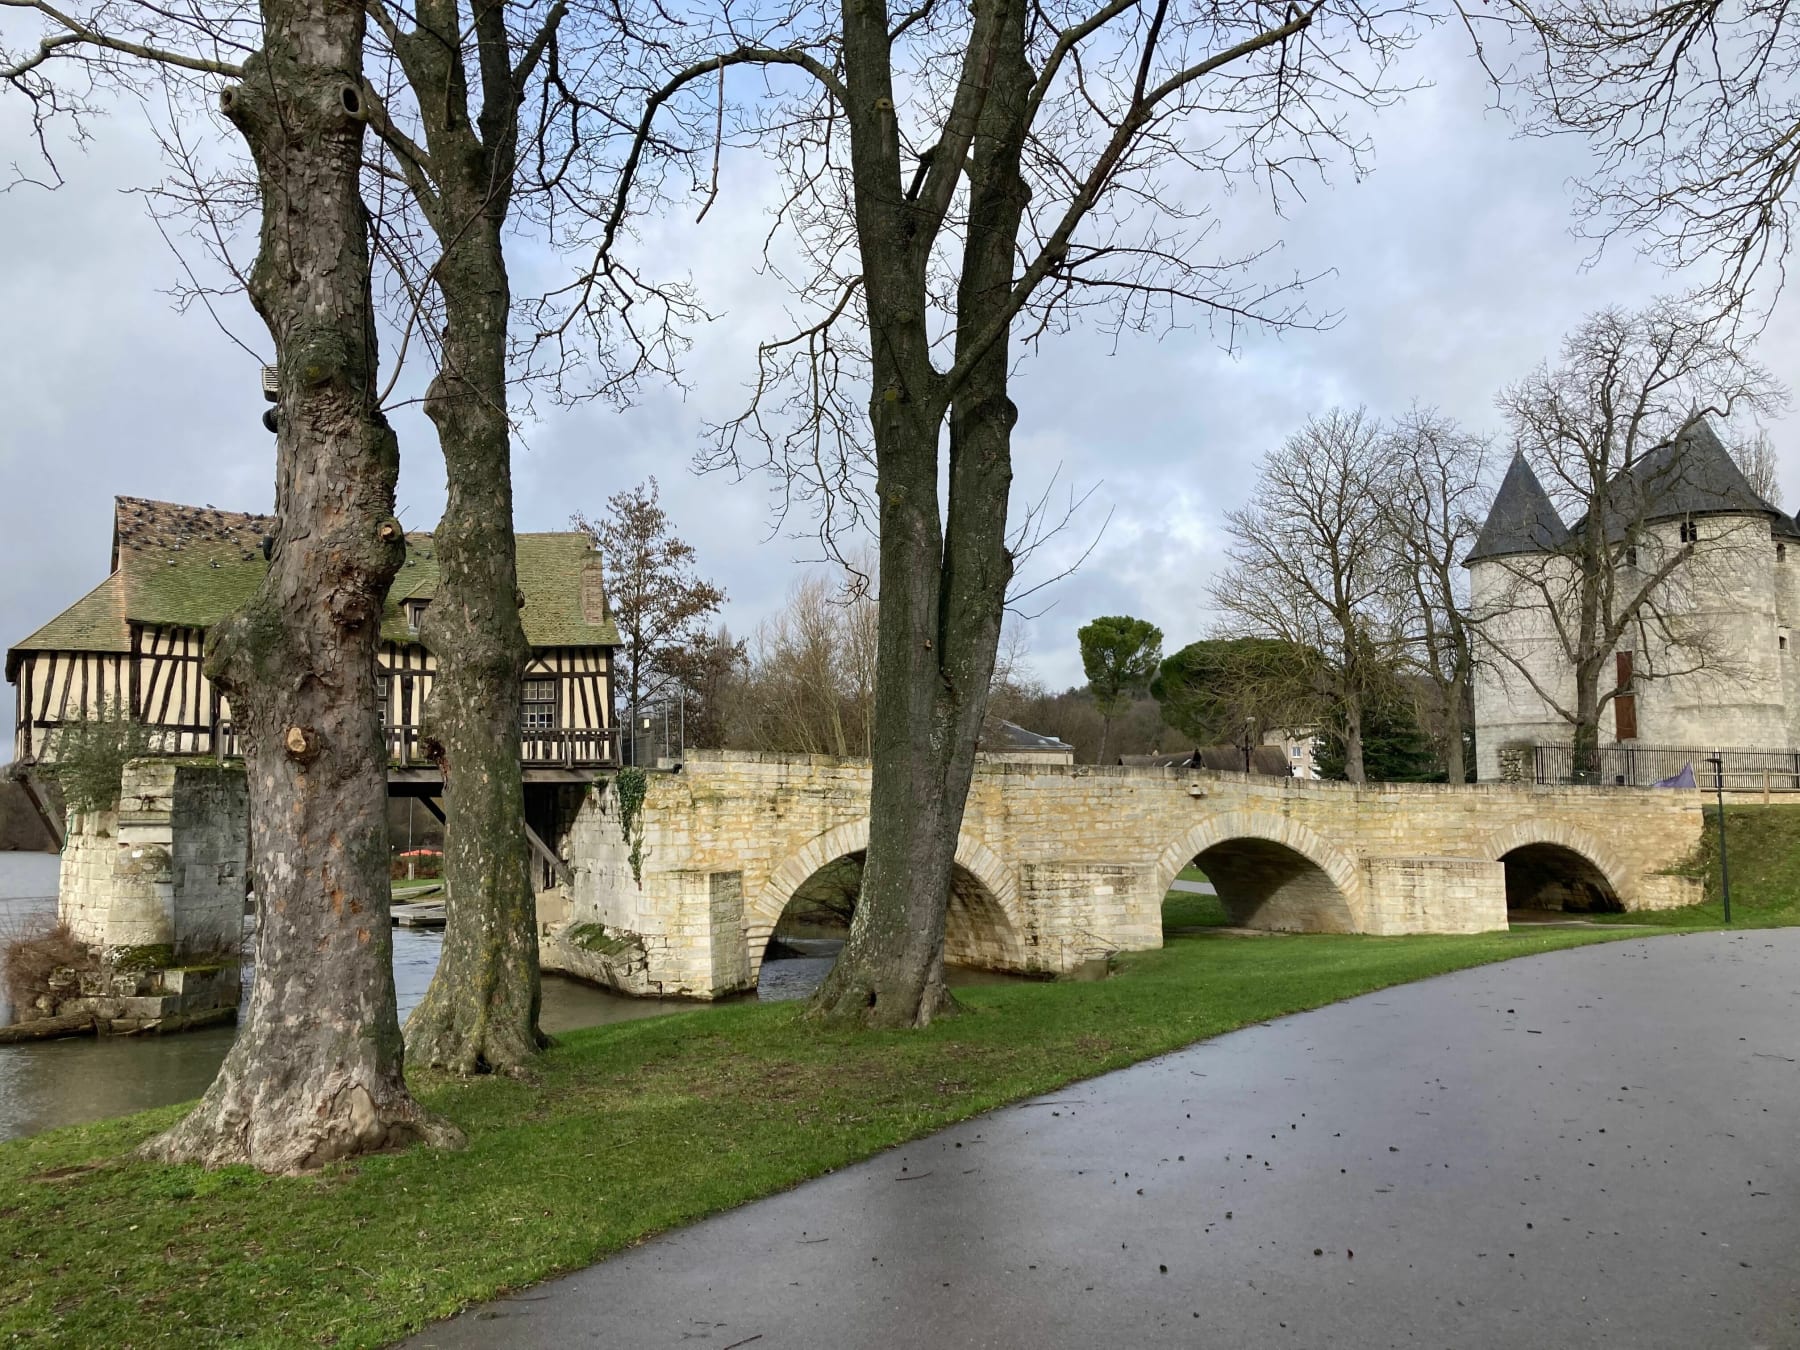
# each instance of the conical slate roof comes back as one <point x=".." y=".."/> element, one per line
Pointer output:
<point x="1522" y="520"/>
<point x="1694" y="474"/>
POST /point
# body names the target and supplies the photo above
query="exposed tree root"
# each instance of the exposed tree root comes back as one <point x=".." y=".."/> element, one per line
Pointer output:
<point x="288" y="1128"/>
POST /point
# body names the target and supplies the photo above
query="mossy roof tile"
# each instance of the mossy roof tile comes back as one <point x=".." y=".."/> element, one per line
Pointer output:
<point x="188" y="567"/>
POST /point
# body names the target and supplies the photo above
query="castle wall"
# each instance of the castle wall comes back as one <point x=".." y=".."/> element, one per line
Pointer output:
<point x="1510" y="598"/>
<point x="1724" y="601"/>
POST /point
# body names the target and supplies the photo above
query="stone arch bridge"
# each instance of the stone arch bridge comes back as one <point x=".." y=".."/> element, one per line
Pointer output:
<point x="1059" y="865"/>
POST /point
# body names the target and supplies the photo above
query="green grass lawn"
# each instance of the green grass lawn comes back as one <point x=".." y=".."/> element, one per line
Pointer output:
<point x="1762" y="845"/>
<point x="623" y="1131"/>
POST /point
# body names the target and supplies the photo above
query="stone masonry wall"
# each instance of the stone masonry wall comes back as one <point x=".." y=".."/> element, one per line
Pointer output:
<point x="1059" y="864"/>
<point x="168" y="867"/>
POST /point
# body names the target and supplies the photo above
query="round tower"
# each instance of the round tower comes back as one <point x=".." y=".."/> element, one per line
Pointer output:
<point x="1518" y="569"/>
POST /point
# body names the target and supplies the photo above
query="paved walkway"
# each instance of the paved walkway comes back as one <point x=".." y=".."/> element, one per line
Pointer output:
<point x="1588" y="1148"/>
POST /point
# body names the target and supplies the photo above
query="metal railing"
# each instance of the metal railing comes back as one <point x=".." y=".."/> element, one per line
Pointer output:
<point x="542" y="747"/>
<point x="1648" y="766"/>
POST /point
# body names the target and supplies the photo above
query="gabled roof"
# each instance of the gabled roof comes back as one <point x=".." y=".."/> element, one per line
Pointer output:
<point x="1522" y="519"/>
<point x="189" y="566"/>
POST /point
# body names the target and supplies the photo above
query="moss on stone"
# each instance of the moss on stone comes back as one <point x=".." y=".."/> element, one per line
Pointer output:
<point x="597" y="938"/>
<point x="150" y="956"/>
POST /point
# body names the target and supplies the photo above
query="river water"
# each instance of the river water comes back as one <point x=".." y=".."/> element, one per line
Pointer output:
<point x="53" y="1083"/>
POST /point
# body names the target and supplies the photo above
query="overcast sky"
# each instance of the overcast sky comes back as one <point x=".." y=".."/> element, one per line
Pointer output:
<point x="1452" y="265"/>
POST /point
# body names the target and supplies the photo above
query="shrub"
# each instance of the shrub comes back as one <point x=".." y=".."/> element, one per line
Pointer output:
<point x="31" y="957"/>
<point x="90" y="754"/>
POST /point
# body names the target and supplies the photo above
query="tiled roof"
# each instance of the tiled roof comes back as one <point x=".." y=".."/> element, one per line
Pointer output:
<point x="189" y="566"/>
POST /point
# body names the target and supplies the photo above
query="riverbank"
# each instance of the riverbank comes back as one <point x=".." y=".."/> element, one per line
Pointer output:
<point x="622" y="1132"/>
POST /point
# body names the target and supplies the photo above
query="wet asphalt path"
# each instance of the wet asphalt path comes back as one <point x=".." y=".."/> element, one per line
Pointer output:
<point x="1588" y="1148"/>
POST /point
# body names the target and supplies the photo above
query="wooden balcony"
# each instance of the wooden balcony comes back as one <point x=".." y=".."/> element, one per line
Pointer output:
<point x="540" y="748"/>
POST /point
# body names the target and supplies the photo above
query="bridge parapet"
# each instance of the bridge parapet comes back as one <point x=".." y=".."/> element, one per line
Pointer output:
<point x="1058" y="864"/>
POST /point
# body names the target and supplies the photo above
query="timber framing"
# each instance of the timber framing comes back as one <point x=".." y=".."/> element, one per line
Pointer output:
<point x="135" y="645"/>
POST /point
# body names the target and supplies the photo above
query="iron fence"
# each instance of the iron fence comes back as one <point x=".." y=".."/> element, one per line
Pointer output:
<point x="1650" y="766"/>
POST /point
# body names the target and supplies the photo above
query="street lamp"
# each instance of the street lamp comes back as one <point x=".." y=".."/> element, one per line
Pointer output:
<point x="1717" y="761"/>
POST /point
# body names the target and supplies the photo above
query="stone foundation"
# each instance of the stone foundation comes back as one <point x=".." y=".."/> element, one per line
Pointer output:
<point x="167" y="867"/>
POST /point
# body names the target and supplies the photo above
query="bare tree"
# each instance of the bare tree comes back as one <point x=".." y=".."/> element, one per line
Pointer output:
<point x="1309" y="564"/>
<point x="1435" y="491"/>
<point x="810" y="686"/>
<point x="447" y="109"/>
<point x="657" y="598"/>
<point x="1617" y="435"/>
<point x="1756" y="458"/>
<point x="1691" y="108"/>
<point x="315" y="1073"/>
<point x="955" y="179"/>
<point x="709" y="671"/>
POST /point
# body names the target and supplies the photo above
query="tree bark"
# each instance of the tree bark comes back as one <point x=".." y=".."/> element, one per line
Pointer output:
<point x="316" y="1071"/>
<point x="942" y="591"/>
<point x="1456" y="768"/>
<point x="1584" y="762"/>
<point x="480" y="1012"/>
<point x="1353" y="742"/>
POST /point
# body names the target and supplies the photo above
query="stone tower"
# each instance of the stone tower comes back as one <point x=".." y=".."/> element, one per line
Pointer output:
<point x="1519" y="565"/>
<point x="1707" y="662"/>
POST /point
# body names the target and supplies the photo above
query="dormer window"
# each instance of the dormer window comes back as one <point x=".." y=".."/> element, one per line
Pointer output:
<point x="415" y="613"/>
<point x="1690" y="532"/>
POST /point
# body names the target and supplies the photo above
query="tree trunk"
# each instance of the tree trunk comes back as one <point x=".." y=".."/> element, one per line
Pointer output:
<point x="1105" y="735"/>
<point x="1456" y="768"/>
<point x="315" y="1073"/>
<point x="942" y="591"/>
<point x="481" y="1011"/>
<point x="1584" y="760"/>
<point x="1353" y="741"/>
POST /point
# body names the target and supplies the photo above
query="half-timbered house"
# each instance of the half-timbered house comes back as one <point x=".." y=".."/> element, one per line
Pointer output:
<point x="133" y="645"/>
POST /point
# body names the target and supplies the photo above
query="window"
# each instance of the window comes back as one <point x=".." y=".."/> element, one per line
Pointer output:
<point x="1631" y="555"/>
<point x="415" y="613"/>
<point x="537" y="706"/>
<point x="381" y="699"/>
<point x="1781" y="553"/>
<point x="1690" y="532"/>
<point x="1293" y="752"/>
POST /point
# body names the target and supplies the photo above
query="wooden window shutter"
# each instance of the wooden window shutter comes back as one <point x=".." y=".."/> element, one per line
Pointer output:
<point x="1625" y="717"/>
<point x="1624" y="702"/>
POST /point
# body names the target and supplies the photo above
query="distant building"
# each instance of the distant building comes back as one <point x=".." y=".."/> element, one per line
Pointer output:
<point x="1006" y="742"/>
<point x="1269" y="761"/>
<point x="134" y="643"/>
<point x="1300" y="747"/>
<point x="1738" y="590"/>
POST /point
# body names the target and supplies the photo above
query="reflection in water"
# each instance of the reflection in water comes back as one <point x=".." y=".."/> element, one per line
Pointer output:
<point x="55" y="1083"/>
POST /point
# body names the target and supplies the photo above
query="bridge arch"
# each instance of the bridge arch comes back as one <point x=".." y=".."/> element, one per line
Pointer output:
<point x="1553" y="865"/>
<point x="1270" y="871"/>
<point x="986" y="926"/>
